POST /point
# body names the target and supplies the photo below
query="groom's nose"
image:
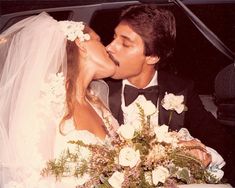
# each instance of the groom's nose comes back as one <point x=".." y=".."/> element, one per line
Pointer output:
<point x="112" y="47"/>
<point x="109" y="48"/>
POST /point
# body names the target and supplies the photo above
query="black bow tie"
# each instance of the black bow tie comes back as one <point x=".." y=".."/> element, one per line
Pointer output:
<point x="131" y="93"/>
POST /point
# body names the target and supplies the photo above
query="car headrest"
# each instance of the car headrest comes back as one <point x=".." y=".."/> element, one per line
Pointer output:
<point x="225" y="83"/>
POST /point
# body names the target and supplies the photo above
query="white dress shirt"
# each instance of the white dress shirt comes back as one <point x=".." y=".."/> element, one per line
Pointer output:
<point x="128" y="116"/>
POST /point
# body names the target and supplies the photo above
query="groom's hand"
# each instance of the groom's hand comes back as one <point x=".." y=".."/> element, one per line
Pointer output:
<point x="195" y="148"/>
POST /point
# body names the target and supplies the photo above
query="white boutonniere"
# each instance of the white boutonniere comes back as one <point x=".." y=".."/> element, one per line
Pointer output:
<point x="173" y="103"/>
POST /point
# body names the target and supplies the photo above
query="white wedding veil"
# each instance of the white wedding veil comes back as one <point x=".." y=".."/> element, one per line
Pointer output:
<point x="30" y="51"/>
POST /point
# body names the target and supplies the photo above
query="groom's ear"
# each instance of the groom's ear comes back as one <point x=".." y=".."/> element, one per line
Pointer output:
<point x="150" y="60"/>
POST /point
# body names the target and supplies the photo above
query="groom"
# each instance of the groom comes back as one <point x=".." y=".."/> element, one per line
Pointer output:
<point x="143" y="39"/>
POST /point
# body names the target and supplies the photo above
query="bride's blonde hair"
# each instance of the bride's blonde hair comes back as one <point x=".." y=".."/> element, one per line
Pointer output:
<point x="70" y="85"/>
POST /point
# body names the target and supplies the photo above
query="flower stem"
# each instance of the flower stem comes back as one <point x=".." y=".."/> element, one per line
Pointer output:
<point x="170" y="117"/>
<point x="148" y="121"/>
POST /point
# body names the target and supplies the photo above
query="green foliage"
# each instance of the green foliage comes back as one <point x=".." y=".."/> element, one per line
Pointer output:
<point x="191" y="170"/>
<point x="184" y="175"/>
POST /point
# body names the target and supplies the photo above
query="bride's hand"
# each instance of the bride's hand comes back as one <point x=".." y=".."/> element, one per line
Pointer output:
<point x="198" y="150"/>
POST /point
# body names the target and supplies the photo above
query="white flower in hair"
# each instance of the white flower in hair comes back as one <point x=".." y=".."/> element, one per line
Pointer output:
<point x="74" y="30"/>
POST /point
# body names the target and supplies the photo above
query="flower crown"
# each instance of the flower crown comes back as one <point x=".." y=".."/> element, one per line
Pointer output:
<point x="74" y="30"/>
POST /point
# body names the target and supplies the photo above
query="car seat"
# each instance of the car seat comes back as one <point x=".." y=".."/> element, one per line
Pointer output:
<point x="225" y="95"/>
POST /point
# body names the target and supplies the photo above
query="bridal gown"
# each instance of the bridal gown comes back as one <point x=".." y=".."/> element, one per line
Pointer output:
<point x="40" y="140"/>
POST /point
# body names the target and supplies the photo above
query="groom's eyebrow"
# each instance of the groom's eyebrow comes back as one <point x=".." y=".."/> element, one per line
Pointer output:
<point x="124" y="37"/>
<point x="127" y="38"/>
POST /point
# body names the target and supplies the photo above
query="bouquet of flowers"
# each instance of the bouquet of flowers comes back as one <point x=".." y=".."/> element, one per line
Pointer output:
<point x="139" y="156"/>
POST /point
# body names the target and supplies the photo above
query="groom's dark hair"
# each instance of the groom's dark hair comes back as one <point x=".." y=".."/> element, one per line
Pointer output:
<point x="155" y="25"/>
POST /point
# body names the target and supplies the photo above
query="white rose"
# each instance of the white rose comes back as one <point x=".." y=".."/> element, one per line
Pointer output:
<point x="116" y="179"/>
<point x="160" y="174"/>
<point x="161" y="132"/>
<point x="137" y="125"/>
<point x="133" y="119"/>
<point x="147" y="105"/>
<point x="179" y="109"/>
<point x="163" y="135"/>
<point x="126" y="131"/>
<point x="129" y="157"/>
<point x="133" y="110"/>
<point x="172" y="102"/>
<point x="149" y="108"/>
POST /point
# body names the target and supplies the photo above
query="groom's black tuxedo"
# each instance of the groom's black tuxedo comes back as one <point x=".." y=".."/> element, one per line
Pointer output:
<point x="200" y="123"/>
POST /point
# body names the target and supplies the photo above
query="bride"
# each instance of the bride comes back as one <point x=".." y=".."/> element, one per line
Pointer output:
<point x="47" y="95"/>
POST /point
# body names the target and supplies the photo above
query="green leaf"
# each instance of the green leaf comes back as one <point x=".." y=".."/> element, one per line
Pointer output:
<point x="183" y="175"/>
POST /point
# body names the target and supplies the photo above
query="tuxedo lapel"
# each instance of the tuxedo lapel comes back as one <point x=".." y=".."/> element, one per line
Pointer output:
<point x="115" y="89"/>
<point x="163" y="115"/>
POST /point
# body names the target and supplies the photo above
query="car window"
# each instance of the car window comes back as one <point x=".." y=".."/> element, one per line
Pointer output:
<point x="60" y="15"/>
